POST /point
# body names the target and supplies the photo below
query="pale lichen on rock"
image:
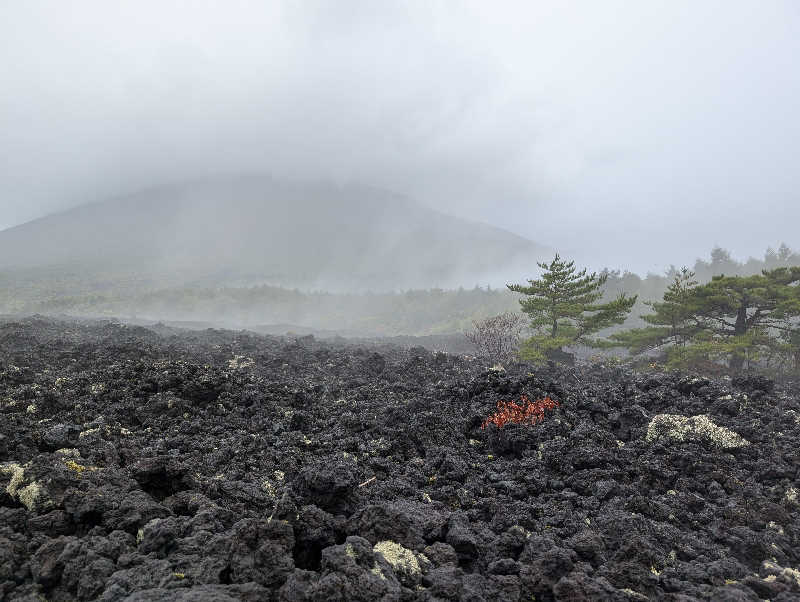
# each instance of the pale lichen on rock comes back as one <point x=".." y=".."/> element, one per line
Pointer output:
<point x="30" y="494"/>
<point x="402" y="560"/>
<point x="678" y="429"/>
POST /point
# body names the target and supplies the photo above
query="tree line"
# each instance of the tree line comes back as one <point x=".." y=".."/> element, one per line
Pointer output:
<point x="731" y="321"/>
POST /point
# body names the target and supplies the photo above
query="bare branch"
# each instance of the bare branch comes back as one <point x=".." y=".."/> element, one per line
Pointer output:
<point x="497" y="338"/>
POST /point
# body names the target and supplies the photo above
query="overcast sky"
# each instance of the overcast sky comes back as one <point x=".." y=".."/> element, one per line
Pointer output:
<point x="633" y="134"/>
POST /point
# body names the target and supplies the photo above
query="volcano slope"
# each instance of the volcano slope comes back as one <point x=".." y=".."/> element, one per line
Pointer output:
<point x="146" y="466"/>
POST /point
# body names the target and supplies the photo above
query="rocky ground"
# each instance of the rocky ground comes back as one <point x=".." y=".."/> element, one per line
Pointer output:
<point x="149" y="465"/>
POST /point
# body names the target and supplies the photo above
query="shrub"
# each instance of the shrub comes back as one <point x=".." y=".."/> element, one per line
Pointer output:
<point x="531" y="412"/>
<point x="496" y="339"/>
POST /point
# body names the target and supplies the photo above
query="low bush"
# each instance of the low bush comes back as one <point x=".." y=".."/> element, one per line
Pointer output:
<point x="526" y="412"/>
<point x="496" y="339"/>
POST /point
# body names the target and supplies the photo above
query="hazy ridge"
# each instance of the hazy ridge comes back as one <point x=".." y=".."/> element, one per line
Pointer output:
<point x="253" y="231"/>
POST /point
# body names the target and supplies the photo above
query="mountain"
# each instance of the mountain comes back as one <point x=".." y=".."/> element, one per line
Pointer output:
<point x="255" y="230"/>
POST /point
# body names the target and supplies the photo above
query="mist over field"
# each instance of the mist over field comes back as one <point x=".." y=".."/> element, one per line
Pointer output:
<point x="201" y="162"/>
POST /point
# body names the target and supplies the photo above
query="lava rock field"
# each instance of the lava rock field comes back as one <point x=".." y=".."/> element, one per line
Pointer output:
<point x="150" y="464"/>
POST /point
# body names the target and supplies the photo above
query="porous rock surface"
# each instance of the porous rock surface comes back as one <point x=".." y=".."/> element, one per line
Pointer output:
<point x="149" y="465"/>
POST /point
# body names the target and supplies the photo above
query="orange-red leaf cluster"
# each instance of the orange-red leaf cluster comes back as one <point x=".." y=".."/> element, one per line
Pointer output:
<point x="526" y="412"/>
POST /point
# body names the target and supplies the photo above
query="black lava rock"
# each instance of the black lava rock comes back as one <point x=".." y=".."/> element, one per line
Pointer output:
<point x="157" y="464"/>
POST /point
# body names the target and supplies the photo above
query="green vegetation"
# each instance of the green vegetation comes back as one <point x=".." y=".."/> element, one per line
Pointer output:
<point x="678" y="318"/>
<point x="670" y="323"/>
<point x="741" y="321"/>
<point x="564" y="309"/>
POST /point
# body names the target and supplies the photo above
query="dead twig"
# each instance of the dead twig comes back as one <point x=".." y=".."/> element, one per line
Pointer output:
<point x="497" y="338"/>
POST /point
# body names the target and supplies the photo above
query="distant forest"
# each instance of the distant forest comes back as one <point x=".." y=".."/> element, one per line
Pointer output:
<point x="414" y="312"/>
<point x="653" y="286"/>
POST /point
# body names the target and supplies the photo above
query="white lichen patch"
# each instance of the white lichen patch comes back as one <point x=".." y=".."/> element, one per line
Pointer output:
<point x="770" y="567"/>
<point x="68" y="452"/>
<point x="673" y="556"/>
<point x="791" y="495"/>
<point x="97" y="388"/>
<point x="88" y="432"/>
<point x="269" y="488"/>
<point x="792" y="574"/>
<point x="678" y="428"/>
<point x="29" y="495"/>
<point x="775" y="527"/>
<point x="31" y="409"/>
<point x="17" y="473"/>
<point x="634" y="594"/>
<point x="402" y="560"/>
<point x="773" y="570"/>
<point x="240" y="361"/>
<point x="519" y="529"/>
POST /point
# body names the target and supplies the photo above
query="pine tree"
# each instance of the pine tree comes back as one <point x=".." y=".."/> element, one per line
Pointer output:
<point x="736" y="319"/>
<point x="790" y="340"/>
<point x="564" y="310"/>
<point x="671" y="323"/>
<point x="741" y="313"/>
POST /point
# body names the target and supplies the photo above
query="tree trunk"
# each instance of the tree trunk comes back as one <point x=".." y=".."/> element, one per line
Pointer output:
<point x="737" y="359"/>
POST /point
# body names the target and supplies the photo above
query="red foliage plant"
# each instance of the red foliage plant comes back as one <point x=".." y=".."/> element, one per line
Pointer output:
<point x="529" y="413"/>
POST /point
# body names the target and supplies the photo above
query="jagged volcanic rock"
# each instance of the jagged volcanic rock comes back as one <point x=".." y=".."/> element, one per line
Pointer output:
<point x="229" y="466"/>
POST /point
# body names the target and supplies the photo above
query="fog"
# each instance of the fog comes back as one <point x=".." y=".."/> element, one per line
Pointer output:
<point x="629" y="135"/>
<point x="253" y="230"/>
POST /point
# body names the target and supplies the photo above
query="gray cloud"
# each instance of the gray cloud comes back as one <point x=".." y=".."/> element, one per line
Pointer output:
<point x="631" y="134"/>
